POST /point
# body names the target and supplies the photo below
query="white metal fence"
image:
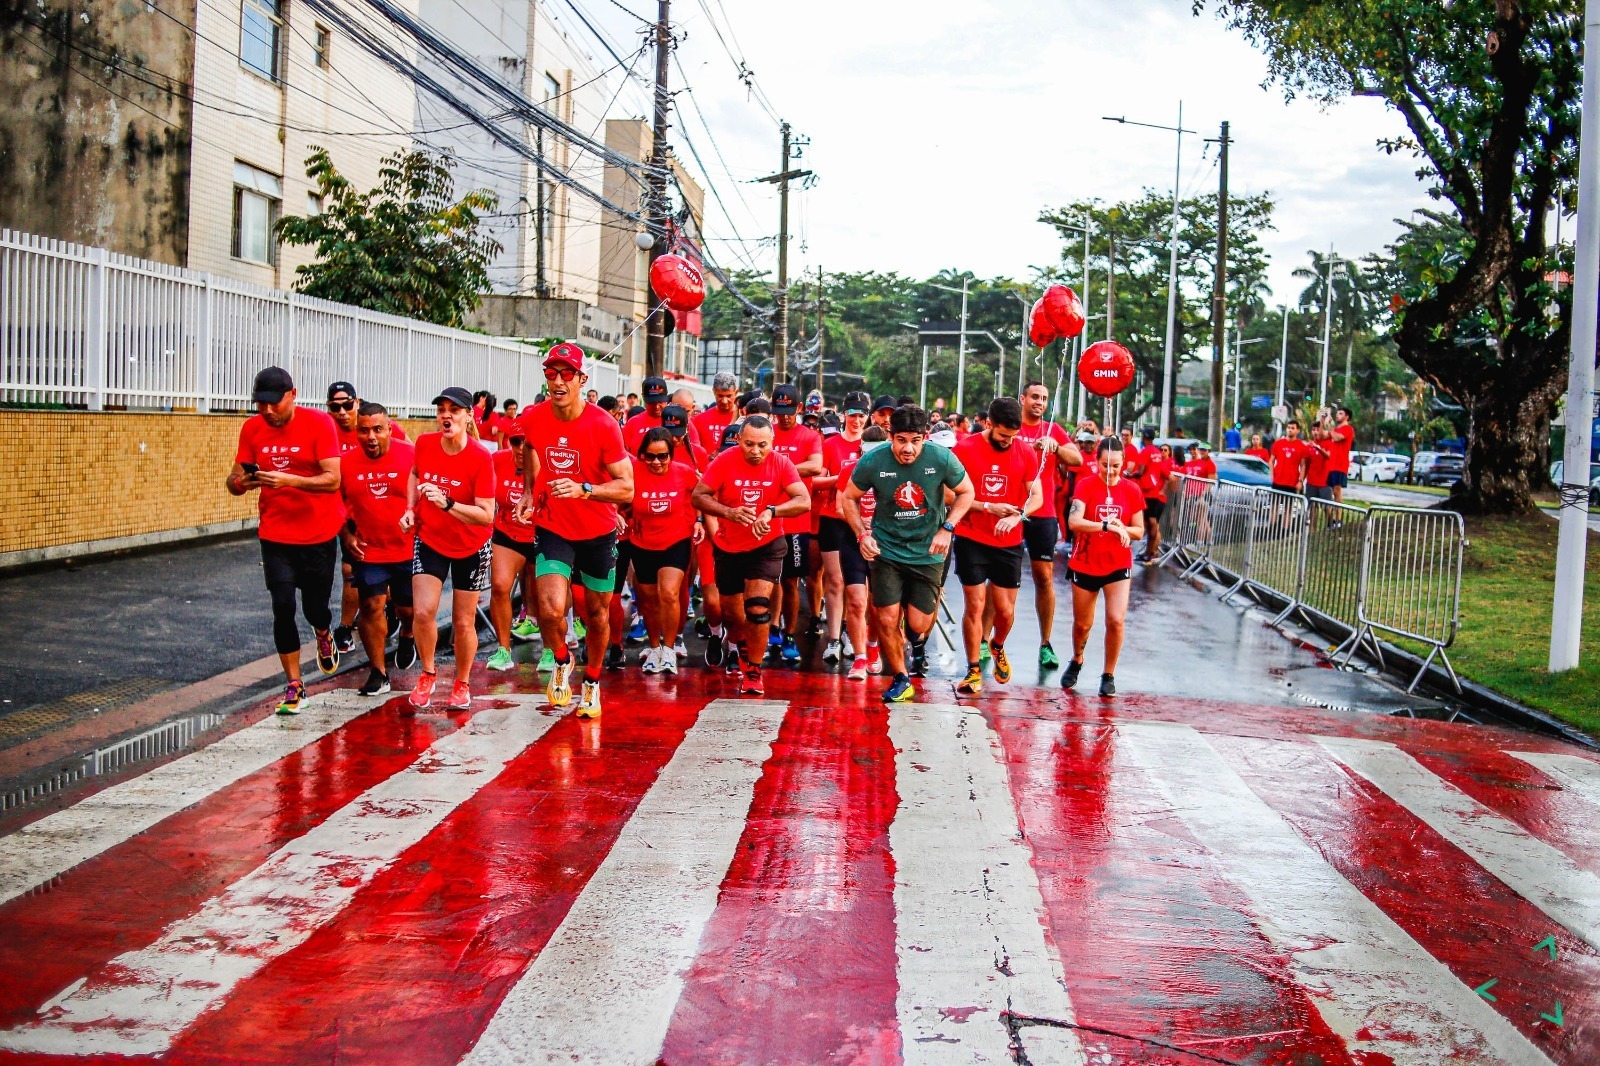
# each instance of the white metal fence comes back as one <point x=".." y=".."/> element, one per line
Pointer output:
<point x="84" y="327"/>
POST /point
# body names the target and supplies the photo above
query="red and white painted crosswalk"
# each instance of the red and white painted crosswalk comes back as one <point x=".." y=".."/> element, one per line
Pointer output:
<point x="693" y="878"/>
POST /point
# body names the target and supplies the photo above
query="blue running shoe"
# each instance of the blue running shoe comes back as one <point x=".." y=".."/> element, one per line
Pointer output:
<point x="789" y="652"/>
<point x="900" y="690"/>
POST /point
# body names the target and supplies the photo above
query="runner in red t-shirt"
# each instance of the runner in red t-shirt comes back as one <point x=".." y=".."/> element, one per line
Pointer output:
<point x="844" y="571"/>
<point x="1056" y="454"/>
<point x="373" y="480"/>
<point x="511" y="543"/>
<point x="988" y="541"/>
<point x="802" y="446"/>
<point x="1343" y="439"/>
<point x="750" y="491"/>
<point x="1107" y="517"/>
<point x="452" y="509"/>
<point x="1317" y="464"/>
<point x="712" y="424"/>
<point x="291" y="455"/>
<point x="1290" y="455"/>
<point x="1158" y="468"/>
<point x="1258" y="449"/>
<point x="579" y="476"/>
<point x="656" y="399"/>
<point x="343" y="407"/>
<point x="662" y="529"/>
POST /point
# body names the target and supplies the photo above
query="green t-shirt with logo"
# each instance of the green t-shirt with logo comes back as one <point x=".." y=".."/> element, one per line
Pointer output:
<point x="909" y="498"/>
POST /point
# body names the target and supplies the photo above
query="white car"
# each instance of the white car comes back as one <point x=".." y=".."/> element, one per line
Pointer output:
<point x="1377" y="466"/>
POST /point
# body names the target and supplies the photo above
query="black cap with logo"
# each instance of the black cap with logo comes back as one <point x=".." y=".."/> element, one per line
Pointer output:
<point x="675" y="420"/>
<point x="271" y="384"/>
<point x="785" y="400"/>
<point x="884" y="403"/>
<point x="730" y="434"/>
<point x="456" y="395"/>
<point x="655" y="390"/>
<point x="341" y="386"/>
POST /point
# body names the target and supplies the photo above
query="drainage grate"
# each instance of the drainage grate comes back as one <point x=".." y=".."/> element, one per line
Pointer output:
<point x="151" y="744"/>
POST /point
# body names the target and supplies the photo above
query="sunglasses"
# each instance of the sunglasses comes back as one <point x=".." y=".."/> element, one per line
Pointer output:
<point x="516" y="442"/>
<point x="565" y="373"/>
<point x="657" y="457"/>
<point x="341" y="405"/>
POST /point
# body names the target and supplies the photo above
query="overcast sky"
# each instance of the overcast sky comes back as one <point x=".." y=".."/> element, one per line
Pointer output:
<point x="939" y="129"/>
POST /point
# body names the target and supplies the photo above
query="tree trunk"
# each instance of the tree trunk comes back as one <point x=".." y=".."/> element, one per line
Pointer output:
<point x="1508" y="440"/>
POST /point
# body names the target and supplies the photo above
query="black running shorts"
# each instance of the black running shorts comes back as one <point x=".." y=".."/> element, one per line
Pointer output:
<point x="835" y="535"/>
<point x="1039" y="536"/>
<point x="978" y="563"/>
<point x="759" y="564"/>
<point x="648" y="562"/>
<point x="1096" y="582"/>
<point x="470" y="573"/>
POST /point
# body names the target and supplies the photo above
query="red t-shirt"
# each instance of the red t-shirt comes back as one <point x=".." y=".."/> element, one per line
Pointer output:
<point x="291" y="515"/>
<point x="1317" y="472"/>
<point x="1203" y="468"/>
<point x="998" y="476"/>
<point x="1286" y="457"/>
<point x="738" y="484"/>
<point x="1343" y="439"/>
<point x="868" y="503"/>
<point x="797" y="445"/>
<point x="662" y="514"/>
<point x="709" y="424"/>
<point x="1098" y="554"/>
<point x="374" y="492"/>
<point x="1157" y="468"/>
<point x="1259" y="453"/>
<point x="507" y="494"/>
<point x="580" y="450"/>
<point x="1046" y="464"/>
<point x="634" y="429"/>
<point x="838" y="456"/>
<point x="465" y="477"/>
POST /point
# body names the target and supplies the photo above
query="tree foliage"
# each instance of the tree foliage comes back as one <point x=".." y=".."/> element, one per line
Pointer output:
<point x="406" y="247"/>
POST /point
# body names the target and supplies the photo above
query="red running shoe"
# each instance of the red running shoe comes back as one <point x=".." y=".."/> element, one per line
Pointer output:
<point x="422" y="694"/>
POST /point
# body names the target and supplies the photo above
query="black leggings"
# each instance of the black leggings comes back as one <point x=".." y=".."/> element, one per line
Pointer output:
<point x="305" y="568"/>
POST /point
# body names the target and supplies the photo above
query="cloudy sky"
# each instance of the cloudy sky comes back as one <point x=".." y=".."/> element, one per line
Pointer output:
<point x="940" y="129"/>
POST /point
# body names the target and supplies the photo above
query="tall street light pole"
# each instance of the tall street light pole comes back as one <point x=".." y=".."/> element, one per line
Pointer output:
<point x="961" y="352"/>
<point x="1172" y="266"/>
<point x="1283" y="369"/>
<point x="655" y="348"/>
<point x="1219" y="293"/>
<point x="1022" y="346"/>
<point x="1327" y="327"/>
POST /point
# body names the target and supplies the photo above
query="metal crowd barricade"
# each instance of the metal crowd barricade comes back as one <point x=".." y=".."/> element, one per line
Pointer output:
<point x="1276" y="557"/>
<point x="1185" y="526"/>
<point x="1229" y="517"/>
<point x="1410" y="583"/>
<point x="1329" y="582"/>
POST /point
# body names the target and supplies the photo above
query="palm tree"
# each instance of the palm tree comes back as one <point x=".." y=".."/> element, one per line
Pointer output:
<point x="1354" y="296"/>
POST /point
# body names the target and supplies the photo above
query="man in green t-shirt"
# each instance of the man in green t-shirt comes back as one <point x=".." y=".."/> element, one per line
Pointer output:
<point x="908" y="542"/>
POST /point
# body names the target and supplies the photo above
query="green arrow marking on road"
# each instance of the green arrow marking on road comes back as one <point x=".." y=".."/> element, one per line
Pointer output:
<point x="1483" y="989"/>
<point x="1549" y="943"/>
<point x="1556" y="1017"/>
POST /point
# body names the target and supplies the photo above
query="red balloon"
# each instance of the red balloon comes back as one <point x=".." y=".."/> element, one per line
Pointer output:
<point x="1106" y="368"/>
<point x="1040" y="331"/>
<point x="1064" y="310"/>
<point x="677" y="282"/>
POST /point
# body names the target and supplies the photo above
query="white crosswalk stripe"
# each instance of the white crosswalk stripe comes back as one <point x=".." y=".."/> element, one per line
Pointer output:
<point x="1576" y="773"/>
<point x="604" y="987"/>
<point x="970" y="942"/>
<point x="139" y="1002"/>
<point x="1535" y="870"/>
<point x="1365" y="973"/>
<point x="95" y="824"/>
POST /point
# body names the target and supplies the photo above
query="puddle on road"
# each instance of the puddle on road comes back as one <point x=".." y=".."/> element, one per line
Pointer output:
<point x="154" y="743"/>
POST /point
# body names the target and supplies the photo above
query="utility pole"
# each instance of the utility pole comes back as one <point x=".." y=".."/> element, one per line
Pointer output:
<point x="821" y="333"/>
<point x="1327" y="328"/>
<point x="961" y="353"/>
<point x="1172" y="288"/>
<point x="656" y="337"/>
<point x="1219" y="297"/>
<point x="540" y="285"/>
<point x="1283" y="369"/>
<point x="780" y="295"/>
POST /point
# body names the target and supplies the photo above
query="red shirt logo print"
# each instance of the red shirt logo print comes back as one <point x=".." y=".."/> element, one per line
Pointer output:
<point x="562" y="460"/>
<point x="910" y="497"/>
<point x="995" y="485"/>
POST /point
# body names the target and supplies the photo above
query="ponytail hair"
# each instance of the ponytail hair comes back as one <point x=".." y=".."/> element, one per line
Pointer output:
<point x="1107" y="444"/>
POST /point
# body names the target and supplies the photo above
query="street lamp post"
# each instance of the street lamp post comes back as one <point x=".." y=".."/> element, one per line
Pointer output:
<point x="1022" y="345"/>
<point x="1238" y="367"/>
<point x="1083" y="338"/>
<point x="1327" y="328"/>
<point x="1283" y="368"/>
<point x="961" y="351"/>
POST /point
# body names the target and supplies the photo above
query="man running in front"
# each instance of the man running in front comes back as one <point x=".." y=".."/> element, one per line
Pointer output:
<point x="577" y="474"/>
<point x="373" y="480"/>
<point x="908" y="544"/>
<point x="1055" y="454"/>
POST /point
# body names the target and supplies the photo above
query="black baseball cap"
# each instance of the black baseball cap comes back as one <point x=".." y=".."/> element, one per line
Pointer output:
<point x="730" y="434"/>
<point x="635" y="410"/>
<point x="884" y="403"/>
<point x="746" y="397"/>
<point x="655" y="389"/>
<point x="856" y="403"/>
<point x="758" y="406"/>
<point x="271" y="384"/>
<point x="456" y="395"/>
<point x="1148" y="433"/>
<point x="341" y="386"/>
<point x="785" y="400"/>
<point x="675" y="420"/>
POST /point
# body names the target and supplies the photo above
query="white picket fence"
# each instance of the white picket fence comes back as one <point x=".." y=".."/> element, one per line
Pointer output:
<point x="84" y="327"/>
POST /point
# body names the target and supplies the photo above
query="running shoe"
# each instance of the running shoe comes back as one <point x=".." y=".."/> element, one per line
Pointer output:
<point x="858" y="669"/>
<point x="327" y="653"/>
<point x="833" y="653"/>
<point x="680" y="650"/>
<point x="524" y="629"/>
<point x="294" y="697"/>
<point x="818" y="624"/>
<point x="732" y="661"/>
<point x="344" y="638"/>
<point x="405" y="654"/>
<point x="558" y="693"/>
<point x="579" y="630"/>
<point x="422" y="692"/>
<point x="547" y="661"/>
<point x="789" y="651"/>
<point x="874" y="660"/>
<point x="376" y="684"/>
<point x="972" y="684"/>
<point x="1048" y="659"/>
<point x="636" y="632"/>
<point x="900" y="690"/>
<point x="752" y="681"/>
<point x="713" y="651"/>
<point x="460" y="696"/>
<point x="589" y="703"/>
<point x="615" y="658"/>
<point x="1002" y="665"/>
<point x="1108" y="686"/>
<point x="1069" y="679"/>
<point x="668" y="662"/>
<point x="918" y="654"/>
<point x="501" y="660"/>
<point x="650" y="661"/>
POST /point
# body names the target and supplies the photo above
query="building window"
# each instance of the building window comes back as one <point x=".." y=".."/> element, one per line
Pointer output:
<point x="320" y="45"/>
<point x="313" y="205"/>
<point x="257" y="202"/>
<point x="260" y="30"/>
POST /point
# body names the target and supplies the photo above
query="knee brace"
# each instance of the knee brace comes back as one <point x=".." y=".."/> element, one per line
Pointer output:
<point x="758" y="610"/>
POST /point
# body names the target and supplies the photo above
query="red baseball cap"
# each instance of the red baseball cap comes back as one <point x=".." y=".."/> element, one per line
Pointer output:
<point x="564" y="354"/>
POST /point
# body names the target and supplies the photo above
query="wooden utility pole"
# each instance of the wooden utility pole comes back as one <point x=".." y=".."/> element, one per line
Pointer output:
<point x="780" y="295"/>
<point x="1219" y="298"/>
<point x="656" y="209"/>
<point x="822" y="334"/>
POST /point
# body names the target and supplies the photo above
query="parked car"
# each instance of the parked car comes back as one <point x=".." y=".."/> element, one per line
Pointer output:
<point x="1445" y="470"/>
<point x="1558" y="468"/>
<point x="1422" y="463"/>
<point x="1242" y="469"/>
<point x="1377" y="466"/>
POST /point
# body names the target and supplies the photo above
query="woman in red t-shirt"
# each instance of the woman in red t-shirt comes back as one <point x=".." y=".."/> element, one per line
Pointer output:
<point x="662" y="530"/>
<point x="1107" y="516"/>
<point x="512" y="543"/>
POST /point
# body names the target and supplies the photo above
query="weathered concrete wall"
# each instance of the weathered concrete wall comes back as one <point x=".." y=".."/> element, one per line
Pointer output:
<point x="95" y="131"/>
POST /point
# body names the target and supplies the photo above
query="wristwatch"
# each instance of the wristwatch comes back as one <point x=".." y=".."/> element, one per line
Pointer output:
<point x="947" y="527"/>
<point x="588" y="490"/>
<point x="1105" y="525"/>
<point x="773" y="509"/>
<point x="449" y="503"/>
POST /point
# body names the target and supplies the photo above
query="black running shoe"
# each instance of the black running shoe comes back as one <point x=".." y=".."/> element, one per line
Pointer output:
<point x="702" y="628"/>
<point x="376" y="684"/>
<point x="713" y="650"/>
<point x="1108" y="685"/>
<point x="405" y="654"/>
<point x="731" y="664"/>
<point x="615" y="659"/>
<point x="344" y="638"/>
<point x="1069" y="680"/>
<point x="919" y="659"/>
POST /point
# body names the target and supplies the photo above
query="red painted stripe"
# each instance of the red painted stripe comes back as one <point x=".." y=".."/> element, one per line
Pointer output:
<point x="424" y="955"/>
<point x="1156" y="946"/>
<point x="121" y="900"/>
<point x="798" y="961"/>
<point x="1465" y="917"/>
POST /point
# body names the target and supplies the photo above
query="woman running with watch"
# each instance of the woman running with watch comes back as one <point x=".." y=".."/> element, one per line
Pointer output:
<point x="1106" y="517"/>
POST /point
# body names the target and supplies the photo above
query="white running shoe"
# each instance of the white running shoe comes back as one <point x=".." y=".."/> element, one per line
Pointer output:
<point x="589" y="704"/>
<point x="668" y="663"/>
<point x="650" y="661"/>
<point x="680" y="650"/>
<point x="559" y="689"/>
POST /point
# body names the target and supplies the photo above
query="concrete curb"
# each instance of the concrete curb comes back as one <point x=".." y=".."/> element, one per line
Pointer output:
<point x="31" y="558"/>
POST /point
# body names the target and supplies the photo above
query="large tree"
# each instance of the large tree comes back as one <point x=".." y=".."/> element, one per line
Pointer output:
<point x="1488" y="92"/>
